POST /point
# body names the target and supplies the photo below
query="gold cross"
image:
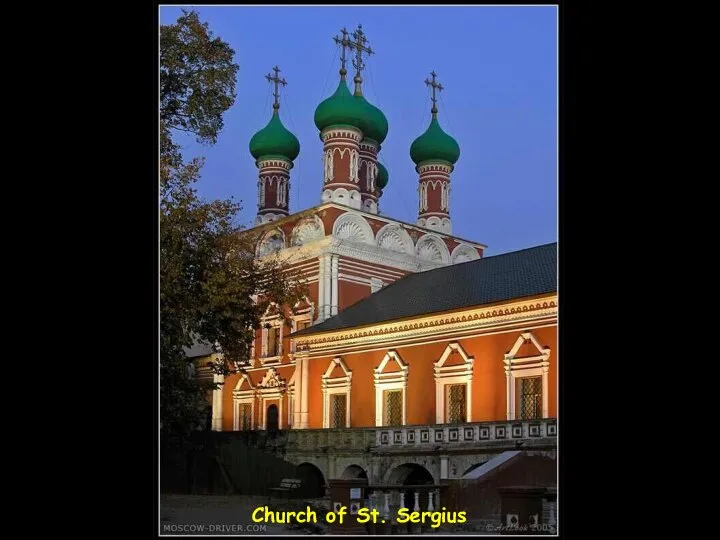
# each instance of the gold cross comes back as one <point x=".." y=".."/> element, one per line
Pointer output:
<point x="359" y="46"/>
<point x="435" y="86"/>
<point x="345" y="42"/>
<point x="277" y="80"/>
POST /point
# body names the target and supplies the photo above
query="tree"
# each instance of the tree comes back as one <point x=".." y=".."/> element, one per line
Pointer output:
<point x="208" y="272"/>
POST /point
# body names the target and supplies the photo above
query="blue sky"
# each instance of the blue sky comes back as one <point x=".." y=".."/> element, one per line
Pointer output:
<point x="499" y="69"/>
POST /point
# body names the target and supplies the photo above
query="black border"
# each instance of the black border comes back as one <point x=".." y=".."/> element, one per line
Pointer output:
<point x="589" y="235"/>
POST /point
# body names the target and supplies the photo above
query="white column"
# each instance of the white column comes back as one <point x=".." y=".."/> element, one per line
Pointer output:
<point x="305" y="392"/>
<point x="402" y="499"/>
<point x="417" y="501"/>
<point x="321" y="288"/>
<point x="217" y="403"/>
<point x="297" y="398"/>
<point x="386" y="508"/>
<point x="443" y="467"/>
<point x="430" y="501"/>
<point x="439" y="402"/>
<point x="509" y="397"/>
<point x="327" y="280"/>
<point x="334" y="302"/>
<point x="546" y="412"/>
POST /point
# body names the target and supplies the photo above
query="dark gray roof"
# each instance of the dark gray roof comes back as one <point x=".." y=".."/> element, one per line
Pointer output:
<point x="517" y="274"/>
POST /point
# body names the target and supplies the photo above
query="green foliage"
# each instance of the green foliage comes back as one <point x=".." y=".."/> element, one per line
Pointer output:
<point x="208" y="274"/>
<point x="197" y="78"/>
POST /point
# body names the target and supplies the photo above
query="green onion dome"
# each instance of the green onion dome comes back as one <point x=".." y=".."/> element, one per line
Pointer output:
<point x="434" y="144"/>
<point x="374" y="125"/>
<point x="382" y="177"/>
<point x="340" y="109"/>
<point x="274" y="140"/>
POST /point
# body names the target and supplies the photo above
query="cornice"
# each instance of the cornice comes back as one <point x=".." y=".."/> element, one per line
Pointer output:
<point x="421" y="327"/>
<point x="316" y="210"/>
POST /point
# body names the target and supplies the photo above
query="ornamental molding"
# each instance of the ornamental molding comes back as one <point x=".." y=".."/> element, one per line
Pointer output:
<point x="431" y="248"/>
<point x="434" y="168"/>
<point x="474" y="319"/>
<point x="278" y="163"/>
<point x="463" y="253"/>
<point x="369" y="146"/>
<point x="345" y="132"/>
<point x="393" y="237"/>
<point x="272" y="242"/>
<point x="413" y="229"/>
<point x="270" y="177"/>
<point x="351" y="226"/>
<point x="307" y="230"/>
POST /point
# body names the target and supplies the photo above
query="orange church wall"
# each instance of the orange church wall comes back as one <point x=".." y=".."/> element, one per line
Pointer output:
<point x="284" y="371"/>
<point x="350" y="293"/>
<point x="489" y="381"/>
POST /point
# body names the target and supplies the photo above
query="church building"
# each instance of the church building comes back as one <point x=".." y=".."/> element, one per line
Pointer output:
<point x="406" y="327"/>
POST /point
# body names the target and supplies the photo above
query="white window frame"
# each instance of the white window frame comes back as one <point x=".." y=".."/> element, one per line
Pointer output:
<point x="449" y="375"/>
<point x="302" y="316"/>
<point x="275" y="322"/>
<point x="527" y="366"/>
<point x="336" y="385"/>
<point x="395" y="380"/>
<point x="243" y="396"/>
<point x="272" y="387"/>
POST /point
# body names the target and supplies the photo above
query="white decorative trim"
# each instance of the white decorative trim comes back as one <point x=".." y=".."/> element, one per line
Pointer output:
<point x="439" y="224"/>
<point x="328" y="165"/>
<point x="305" y="315"/>
<point x="217" y="405"/>
<point x="272" y="241"/>
<point x="463" y="253"/>
<point x="446" y="225"/>
<point x="354" y="166"/>
<point x="351" y="226"/>
<point x="272" y="387"/>
<point x="340" y="195"/>
<point x="336" y="385"/>
<point x="369" y="206"/>
<point x="429" y="167"/>
<point x="291" y="385"/>
<point x="341" y="133"/>
<point x="448" y="375"/>
<point x="376" y="284"/>
<point x="274" y="163"/>
<point x="243" y="396"/>
<point x="307" y="230"/>
<point x="370" y="146"/>
<point x="263" y="218"/>
<point x="431" y="248"/>
<point x="273" y="321"/>
<point x="422" y="197"/>
<point x="395" y="380"/>
<point x="395" y="238"/>
<point x="529" y="366"/>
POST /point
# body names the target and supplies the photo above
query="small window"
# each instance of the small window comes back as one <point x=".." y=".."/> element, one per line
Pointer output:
<point x="301" y="325"/>
<point x="530" y="398"/>
<point x="339" y="411"/>
<point x="245" y="416"/>
<point x="456" y="405"/>
<point x="273" y="341"/>
<point x="393" y="407"/>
